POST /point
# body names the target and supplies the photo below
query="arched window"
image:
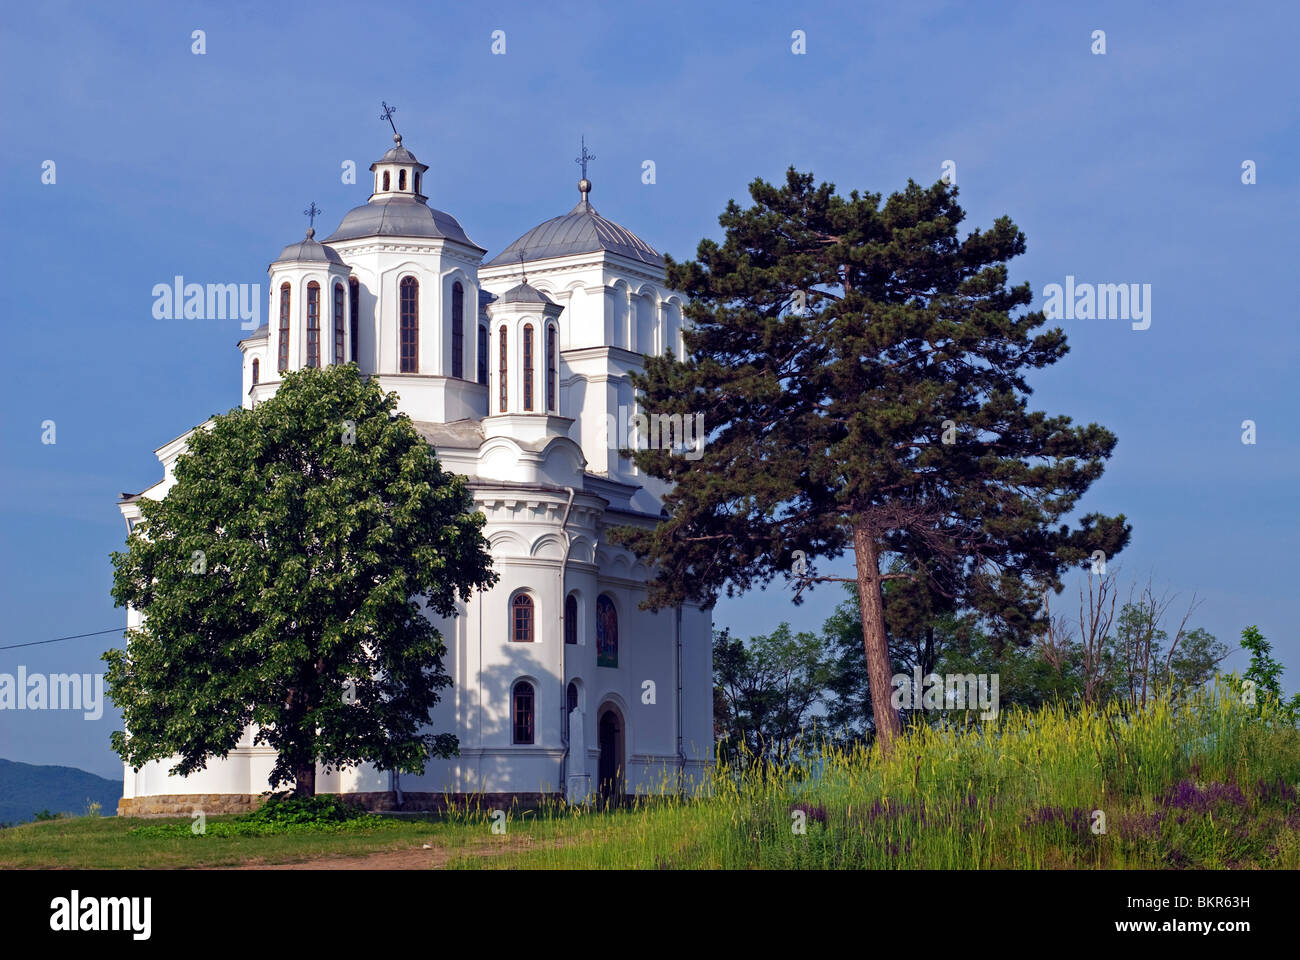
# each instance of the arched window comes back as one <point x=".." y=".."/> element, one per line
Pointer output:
<point x="570" y="619"/>
<point x="401" y="180"/>
<point x="521" y="619"/>
<point x="457" y="330"/>
<point x="606" y="632"/>
<point x="501" y="376"/>
<point x="570" y="704"/>
<point x="417" y="181"/>
<point x="528" y="366"/>
<point x="284" y="328"/>
<point x="410" y="325"/>
<point x="338" y="323"/>
<point x="313" y="324"/>
<point x="551" y="362"/>
<point x="257" y="370"/>
<point x="386" y="181"/>
<point x="354" y="309"/>
<point x="523" y="713"/>
<point x="482" y="354"/>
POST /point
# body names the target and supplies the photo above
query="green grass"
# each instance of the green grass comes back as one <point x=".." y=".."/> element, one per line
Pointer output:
<point x="1206" y="783"/>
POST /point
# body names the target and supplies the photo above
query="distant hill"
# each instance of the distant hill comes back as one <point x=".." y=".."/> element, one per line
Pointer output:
<point x="26" y="788"/>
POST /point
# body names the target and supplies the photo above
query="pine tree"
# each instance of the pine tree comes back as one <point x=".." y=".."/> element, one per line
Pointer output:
<point x="862" y="374"/>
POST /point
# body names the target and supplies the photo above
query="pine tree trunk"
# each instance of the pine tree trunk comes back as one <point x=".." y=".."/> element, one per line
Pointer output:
<point x="875" y="640"/>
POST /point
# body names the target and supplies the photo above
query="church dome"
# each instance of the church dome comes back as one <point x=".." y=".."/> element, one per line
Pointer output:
<point x="524" y="293"/>
<point x="308" y="250"/>
<point x="396" y="216"/>
<point x="581" y="230"/>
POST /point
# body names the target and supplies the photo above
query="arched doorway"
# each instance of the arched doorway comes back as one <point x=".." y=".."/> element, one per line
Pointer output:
<point x="610" y="767"/>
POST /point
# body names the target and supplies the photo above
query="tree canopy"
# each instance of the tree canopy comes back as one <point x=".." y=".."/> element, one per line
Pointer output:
<point x="287" y="580"/>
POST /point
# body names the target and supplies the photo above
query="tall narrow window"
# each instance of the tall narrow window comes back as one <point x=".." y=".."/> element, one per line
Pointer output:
<point x="313" y="324"/>
<point x="417" y="181"/>
<point x="338" y="324"/>
<point x="257" y="370"/>
<point x="386" y="181"/>
<point x="410" y="325"/>
<point x="528" y="366"/>
<point x="354" y="310"/>
<point x="501" y="375"/>
<point x="551" y="362"/>
<point x="521" y="619"/>
<point x="522" y="709"/>
<point x="284" y="328"/>
<point x="457" y="330"/>
<point x="606" y="632"/>
<point x="482" y="354"/>
<point x="401" y="180"/>
<point x="570" y="619"/>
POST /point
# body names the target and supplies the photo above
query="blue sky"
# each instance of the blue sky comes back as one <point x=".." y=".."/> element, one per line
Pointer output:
<point x="1122" y="168"/>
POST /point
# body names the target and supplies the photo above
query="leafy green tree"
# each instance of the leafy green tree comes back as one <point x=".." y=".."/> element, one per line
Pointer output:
<point x="765" y="690"/>
<point x="285" y="580"/>
<point x="1266" y="673"/>
<point x="863" y="372"/>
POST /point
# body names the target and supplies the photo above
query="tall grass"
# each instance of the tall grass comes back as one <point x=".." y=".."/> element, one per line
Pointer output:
<point x="1203" y="781"/>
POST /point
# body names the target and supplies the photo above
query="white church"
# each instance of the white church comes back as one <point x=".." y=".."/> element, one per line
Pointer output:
<point x="512" y="369"/>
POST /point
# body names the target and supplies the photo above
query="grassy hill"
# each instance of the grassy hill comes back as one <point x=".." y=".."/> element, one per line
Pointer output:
<point x="26" y="788"/>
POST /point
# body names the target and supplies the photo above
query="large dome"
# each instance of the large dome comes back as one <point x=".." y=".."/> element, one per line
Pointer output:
<point x="399" y="217"/>
<point x="581" y="230"/>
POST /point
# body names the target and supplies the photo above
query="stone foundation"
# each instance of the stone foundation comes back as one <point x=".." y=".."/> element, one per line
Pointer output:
<point x="212" y="804"/>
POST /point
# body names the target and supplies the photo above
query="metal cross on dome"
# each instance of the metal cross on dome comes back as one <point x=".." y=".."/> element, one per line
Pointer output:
<point x="388" y="115"/>
<point x="584" y="157"/>
<point x="312" y="213"/>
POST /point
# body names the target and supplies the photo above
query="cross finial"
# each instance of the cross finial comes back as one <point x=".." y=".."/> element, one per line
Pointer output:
<point x="388" y="115"/>
<point x="522" y="271"/>
<point x="311" y="213"/>
<point x="584" y="157"/>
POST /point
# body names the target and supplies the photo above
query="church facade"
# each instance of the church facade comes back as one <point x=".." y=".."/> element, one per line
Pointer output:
<point x="515" y="370"/>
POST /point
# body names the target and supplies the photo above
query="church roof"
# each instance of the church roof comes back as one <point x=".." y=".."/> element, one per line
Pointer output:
<point x="399" y="217"/>
<point x="581" y="230"/>
<point x="308" y="250"/>
<point x="524" y="293"/>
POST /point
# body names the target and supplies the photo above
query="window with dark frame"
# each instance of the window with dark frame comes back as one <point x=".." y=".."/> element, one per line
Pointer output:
<point x="523" y="712"/>
<point x="550" y="368"/>
<point x="354" y="308"/>
<point x="501" y="376"/>
<point x="313" y="324"/>
<point x="401" y="180"/>
<point x="284" y="328"/>
<point x="417" y="181"/>
<point x="338" y="324"/>
<point x="410" y="325"/>
<point x="386" y="181"/>
<point x="571" y="619"/>
<point x="257" y="370"/>
<point x="457" y="330"/>
<point x="483" y="355"/>
<point x="528" y="366"/>
<point x="521" y="619"/>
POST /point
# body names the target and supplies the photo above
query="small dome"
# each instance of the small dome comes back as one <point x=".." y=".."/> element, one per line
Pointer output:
<point x="399" y="217"/>
<point x="524" y="293"/>
<point x="581" y="230"/>
<point x="398" y="154"/>
<point x="308" y="250"/>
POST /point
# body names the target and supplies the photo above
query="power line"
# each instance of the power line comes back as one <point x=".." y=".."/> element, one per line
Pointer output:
<point x="75" y="636"/>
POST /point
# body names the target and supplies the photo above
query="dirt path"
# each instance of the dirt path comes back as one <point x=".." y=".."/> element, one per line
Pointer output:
<point x="406" y="858"/>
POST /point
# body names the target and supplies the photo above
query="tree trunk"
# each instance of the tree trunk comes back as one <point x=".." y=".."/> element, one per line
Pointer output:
<point x="875" y="640"/>
<point x="304" y="777"/>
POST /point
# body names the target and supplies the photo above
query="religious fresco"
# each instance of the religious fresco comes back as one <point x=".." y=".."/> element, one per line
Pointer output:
<point x="606" y="632"/>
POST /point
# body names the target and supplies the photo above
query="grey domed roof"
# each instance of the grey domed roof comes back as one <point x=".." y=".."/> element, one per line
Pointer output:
<point x="308" y="250"/>
<point x="524" y="293"/>
<point x="398" y="154"/>
<point x="581" y="230"/>
<point x="399" y="217"/>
